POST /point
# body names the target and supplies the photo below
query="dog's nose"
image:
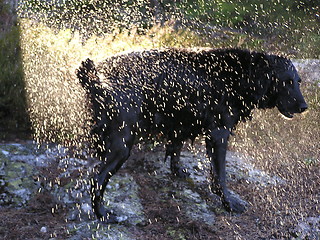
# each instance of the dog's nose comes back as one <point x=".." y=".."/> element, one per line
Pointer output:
<point x="303" y="107"/>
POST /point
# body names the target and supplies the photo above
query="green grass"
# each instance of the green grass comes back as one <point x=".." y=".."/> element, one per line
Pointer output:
<point x="286" y="26"/>
<point x="281" y="26"/>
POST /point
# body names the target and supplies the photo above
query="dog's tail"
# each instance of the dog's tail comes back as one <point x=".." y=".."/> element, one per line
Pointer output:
<point x="88" y="77"/>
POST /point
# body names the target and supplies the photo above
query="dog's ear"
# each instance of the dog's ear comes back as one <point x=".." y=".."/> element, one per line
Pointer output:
<point x="88" y="78"/>
<point x="260" y="74"/>
<point x="277" y="63"/>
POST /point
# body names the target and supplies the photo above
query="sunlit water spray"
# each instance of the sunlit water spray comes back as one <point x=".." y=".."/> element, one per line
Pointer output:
<point x="53" y="47"/>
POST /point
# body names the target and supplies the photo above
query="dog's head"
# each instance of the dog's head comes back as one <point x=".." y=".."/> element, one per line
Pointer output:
<point x="288" y="97"/>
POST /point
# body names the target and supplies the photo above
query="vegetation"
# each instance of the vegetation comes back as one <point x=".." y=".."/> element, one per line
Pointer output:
<point x="13" y="115"/>
<point x="62" y="33"/>
<point x="282" y="26"/>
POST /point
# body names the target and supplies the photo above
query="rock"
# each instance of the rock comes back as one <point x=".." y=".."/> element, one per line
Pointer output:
<point x="122" y="197"/>
<point x="95" y="230"/>
<point x="17" y="179"/>
<point x="196" y="208"/>
<point x="86" y="207"/>
<point x="309" y="229"/>
<point x="6" y="153"/>
<point x="240" y="167"/>
<point x="198" y="165"/>
<point x="19" y="172"/>
<point x="309" y="68"/>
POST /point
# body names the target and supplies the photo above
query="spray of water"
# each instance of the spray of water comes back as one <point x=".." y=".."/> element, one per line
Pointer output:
<point x="57" y="35"/>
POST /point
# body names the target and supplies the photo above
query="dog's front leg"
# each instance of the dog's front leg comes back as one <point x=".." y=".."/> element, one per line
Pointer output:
<point x="173" y="150"/>
<point x="216" y="144"/>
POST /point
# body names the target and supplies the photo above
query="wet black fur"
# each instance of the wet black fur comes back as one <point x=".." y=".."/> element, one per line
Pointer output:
<point x="180" y="94"/>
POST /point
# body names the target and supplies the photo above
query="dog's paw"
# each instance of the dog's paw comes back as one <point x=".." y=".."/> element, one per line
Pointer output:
<point x="233" y="203"/>
<point x="112" y="218"/>
<point x="180" y="173"/>
<point x="106" y="216"/>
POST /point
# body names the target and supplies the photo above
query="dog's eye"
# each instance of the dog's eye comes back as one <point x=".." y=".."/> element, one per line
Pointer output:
<point x="289" y="82"/>
<point x="299" y="81"/>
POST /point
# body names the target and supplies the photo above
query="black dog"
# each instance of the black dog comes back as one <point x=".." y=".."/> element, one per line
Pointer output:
<point x="181" y="94"/>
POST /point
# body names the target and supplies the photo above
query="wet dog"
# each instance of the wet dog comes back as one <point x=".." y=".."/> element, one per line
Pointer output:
<point x="181" y="94"/>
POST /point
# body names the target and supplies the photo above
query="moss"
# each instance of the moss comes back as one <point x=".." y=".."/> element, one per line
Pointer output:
<point x="15" y="184"/>
<point x="128" y="205"/>
<point x="18" y="180"/>
<point x="311" y="161"/>
<point x="96" y="230"/>
<point x="175" y="233"/>
<point x="15" y="149"/>
<point x="310" y="45"/>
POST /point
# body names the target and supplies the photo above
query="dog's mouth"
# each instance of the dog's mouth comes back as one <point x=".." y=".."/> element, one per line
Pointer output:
<point x="287" y="114"/>
<point x="290" y="114"/>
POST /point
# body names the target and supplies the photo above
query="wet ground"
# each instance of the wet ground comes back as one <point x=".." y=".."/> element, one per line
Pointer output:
<point x="44" y="195"/>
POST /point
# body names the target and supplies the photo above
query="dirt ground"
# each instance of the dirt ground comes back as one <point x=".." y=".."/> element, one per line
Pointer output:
<point x="272" y="214"/>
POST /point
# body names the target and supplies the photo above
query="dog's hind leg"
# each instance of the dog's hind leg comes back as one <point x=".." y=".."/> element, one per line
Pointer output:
<point x="173" y="149"/>
<point x="116" y="153"/>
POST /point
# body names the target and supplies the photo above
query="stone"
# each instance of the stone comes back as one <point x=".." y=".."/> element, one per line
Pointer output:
<point x="19" y="164"/>
<point x="309" y="69"/>
<point x="17" y="183"/>
<point x="308" y="228"/>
